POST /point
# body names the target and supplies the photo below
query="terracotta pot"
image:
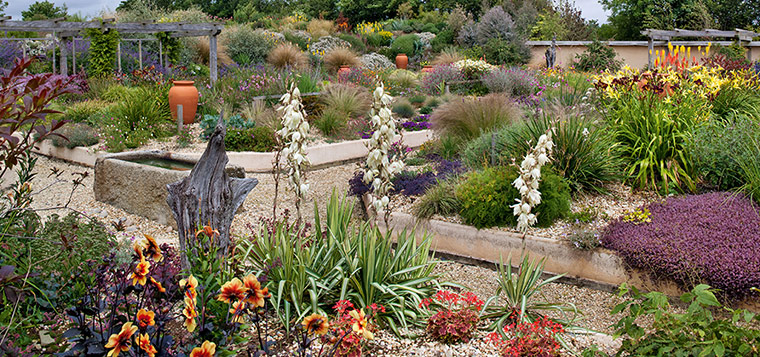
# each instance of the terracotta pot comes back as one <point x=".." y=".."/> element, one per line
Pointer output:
<point x="344" y="69"/>
<point x="185" y="94"/>
<point x="427" y="69"/>
<point x="401" y="61"/>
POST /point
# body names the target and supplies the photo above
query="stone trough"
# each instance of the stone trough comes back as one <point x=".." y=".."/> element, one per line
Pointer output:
<point x="136" y="181"/>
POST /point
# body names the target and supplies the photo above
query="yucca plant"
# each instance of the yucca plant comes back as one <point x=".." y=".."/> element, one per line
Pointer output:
<point x="518" y="290"/>
<point x="397" y="279"/>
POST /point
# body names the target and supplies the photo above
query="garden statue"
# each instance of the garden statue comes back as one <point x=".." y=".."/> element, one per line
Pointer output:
<point x="208" y="197"/>
<point x="551" y="53"/>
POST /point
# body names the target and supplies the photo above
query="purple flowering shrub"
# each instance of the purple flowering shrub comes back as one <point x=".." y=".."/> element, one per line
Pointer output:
<point x="409" y="183"/>
<point x="421" y="122"/>
<point x="433" y="82"/>
<point x="712" y="238"/>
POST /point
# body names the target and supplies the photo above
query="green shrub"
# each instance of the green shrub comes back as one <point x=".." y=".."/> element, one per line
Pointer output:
<point x="81" y="112"/>
<point x="301" y="42"/>
<point x="403" y="109"/>
<point x="245" y="45"/>
<point x="486" y="197"/>
<point x="417" y="99"/>
<point x="76" y="134"/>
<point x="141" y="115"/>
<point x="331" y="121"/>
<point x="356" y="43"/>
<point x="584" y="153"/>
<point x="115" y="93"/>
<point x="698" y="330"/>
<point x="442" y="40"/>
<point x="377" y="40"/>
<point x="509" y="53"/>
<point x="597" y="57"/>
<point x="259" y="139"/>
<point x="718" y="147"/>
<point x="466" y="118"/>
<point x="404" y="44"/>
<point x="567" y="89"/>
<point x="735" y="102"/>
<point x="208" y="123"/>
<point x="439" y="199"/>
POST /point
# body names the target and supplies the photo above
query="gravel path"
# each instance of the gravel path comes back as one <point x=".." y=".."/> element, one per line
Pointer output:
<point x="483" y="281"/>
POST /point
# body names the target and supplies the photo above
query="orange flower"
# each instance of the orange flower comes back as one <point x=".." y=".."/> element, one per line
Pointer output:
<point x="315" y="323"/>
<point x="151" y="248"/>
<point x="237" y="311"/>
<point x="208" y="231"/>
<point x="138" y="250"/>
<point x="140" y="274"/>
<point x="121" y="342"/>
<point x="191" y="282"/>
<point x="190" y="314"/>
<point x="207" y="349"/>
<point x="145" y="318"/>
<point x="143" y="341"/>
<point x="360" y="324"/>
<point x="255" y="294"/>
<point x="158" y="285"/>
<point x="232" y="289"/>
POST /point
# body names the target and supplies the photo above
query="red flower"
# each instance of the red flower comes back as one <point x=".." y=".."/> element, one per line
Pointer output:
<point x="143" y="341"/>
<point x="232" y="290"/>
<point x="140" y="275"/>
<point x="145" y="318"/>
<point x="120" y="342"/>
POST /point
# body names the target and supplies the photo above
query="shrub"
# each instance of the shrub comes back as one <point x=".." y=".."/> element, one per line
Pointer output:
<point x="259" y="139"/>
<point x="597" y="57"/>
<point x="340" y="56"/>
<point x="115" y="93"/>
<point x="706" y="328"/>
<point x="584" y="154"/>
<point x="80" y="112"/>
<point x="456" y="318"/>
<point x="320" y="28"/>
<point x="417" y="99"/>
<point x="346" y="99"/>
<point x="718" y="147"/>
<point x="442" y="40"/>
<point x="379" y="39"/>
<point x="356" y="43"/>
<point x="299" y="38"/>
<point x="331" y="121"/>
<point x="439" y="199"/>
<point x="141" y="115"/>
<point x="404" y="44"/>
<point x="495" y="23"/>
<point x="76" y="134"/>
<point x="403" y="109"/>
<point x="376" y="62"/>
<point x="245" y="45"/>
<point x="503" y="52"/>
<point x="208" y="123"/>
<point x="708" y="238"/>
<point x="486" y="197"/>
<point x="403" y="80"/>
<point x="513" y="81"/>
<point x="287" y="55"/>
<point x="466" y="118"/>
<point x="327" y="44"/>
<point x="734" y="102"/>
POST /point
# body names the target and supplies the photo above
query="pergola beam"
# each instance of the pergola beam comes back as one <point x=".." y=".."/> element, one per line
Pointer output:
<point x="177" y="29"/>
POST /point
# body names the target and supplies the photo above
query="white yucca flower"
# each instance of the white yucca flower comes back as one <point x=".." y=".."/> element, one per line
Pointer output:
<point x="294" y="131"/>
<point x="528" y="181"/>
<point x="380" y="168"/>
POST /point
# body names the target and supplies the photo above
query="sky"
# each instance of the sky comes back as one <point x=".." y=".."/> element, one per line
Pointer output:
<point x="591" y="9"/>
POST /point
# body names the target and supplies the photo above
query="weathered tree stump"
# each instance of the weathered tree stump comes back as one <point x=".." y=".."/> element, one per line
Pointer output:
<point x="207" y="197"/>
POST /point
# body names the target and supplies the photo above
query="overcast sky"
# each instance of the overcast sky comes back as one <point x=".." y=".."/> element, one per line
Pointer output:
<point x="591" y="8"/>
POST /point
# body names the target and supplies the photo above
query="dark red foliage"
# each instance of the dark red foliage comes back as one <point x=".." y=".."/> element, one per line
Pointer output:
<point x="727" y="63"/>
<point x="712" y="238"/>
<point x="457" y="316"/>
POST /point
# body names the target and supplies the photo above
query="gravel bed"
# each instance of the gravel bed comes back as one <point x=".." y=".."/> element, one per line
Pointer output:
<point x="483" y="281"/>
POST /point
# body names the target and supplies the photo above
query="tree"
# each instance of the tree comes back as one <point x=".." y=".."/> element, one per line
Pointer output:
<point x="630" y="17"/>
<point x="42" y="10"/>
<point x="733" y="14"/>
<point x="3" y="6"/>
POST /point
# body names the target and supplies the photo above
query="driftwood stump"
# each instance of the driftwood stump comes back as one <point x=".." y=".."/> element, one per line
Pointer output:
<point x="207" y="197"/>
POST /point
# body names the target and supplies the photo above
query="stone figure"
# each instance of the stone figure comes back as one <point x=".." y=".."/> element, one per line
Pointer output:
<point x="551" y="53"/>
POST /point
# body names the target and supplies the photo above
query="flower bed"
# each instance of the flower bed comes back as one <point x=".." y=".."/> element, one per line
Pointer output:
<point x="713" y="238"/>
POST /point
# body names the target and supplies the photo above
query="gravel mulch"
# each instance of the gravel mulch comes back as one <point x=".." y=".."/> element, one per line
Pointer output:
<point x="595" y="304"/>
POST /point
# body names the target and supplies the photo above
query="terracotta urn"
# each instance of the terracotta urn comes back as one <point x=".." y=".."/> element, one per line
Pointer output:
<point x="344" y="70"/>
<point x="401" y="61"/>
<point x="185" y="94"/>
<point x="427" y="69"/>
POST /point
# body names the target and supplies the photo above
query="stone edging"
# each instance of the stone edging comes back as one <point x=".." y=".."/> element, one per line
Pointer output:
<point x="320" y="155"/>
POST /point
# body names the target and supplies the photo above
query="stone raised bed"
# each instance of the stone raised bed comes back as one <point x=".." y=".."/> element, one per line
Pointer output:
<point x="320" y="155"/>
<point x="140" y="189"/>
<point x="599" y="268"/>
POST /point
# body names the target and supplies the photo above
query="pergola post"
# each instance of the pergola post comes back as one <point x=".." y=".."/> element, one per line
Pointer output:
<point x="139" y="53"/>
<point x="212" y="58"/>
<point x="73" y="55"/>
<point x="64" y="61"/>
<point x="160" y="54"/>
<point x="118" y="55"/>
<point x="650" y="46"/>
<point x="54" y="37"/>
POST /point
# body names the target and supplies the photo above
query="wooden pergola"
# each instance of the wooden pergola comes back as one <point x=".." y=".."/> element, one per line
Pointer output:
<point x="63" y="31"/>
<point x="744" y="37"/>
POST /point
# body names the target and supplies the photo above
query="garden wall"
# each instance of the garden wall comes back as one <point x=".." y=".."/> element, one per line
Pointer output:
<point x="320" y="155"/>
<point x="633" y="53"/>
